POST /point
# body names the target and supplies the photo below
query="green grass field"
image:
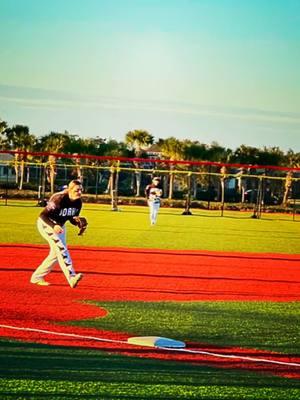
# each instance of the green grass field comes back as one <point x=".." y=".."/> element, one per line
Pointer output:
<point x="32" y="371"/>
<point x="211" y="322"/>
<point x="204" y="230"/>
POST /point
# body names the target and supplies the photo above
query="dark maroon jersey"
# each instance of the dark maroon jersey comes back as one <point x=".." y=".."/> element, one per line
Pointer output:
<point x="61" y="209"/>
<point x="153" y="191"/>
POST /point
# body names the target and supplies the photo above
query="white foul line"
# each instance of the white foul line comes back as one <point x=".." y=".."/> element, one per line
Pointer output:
<point x="74" y="335"/>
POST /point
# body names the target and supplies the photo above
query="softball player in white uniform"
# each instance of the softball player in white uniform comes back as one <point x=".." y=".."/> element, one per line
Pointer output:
<point x="153" y="193"/>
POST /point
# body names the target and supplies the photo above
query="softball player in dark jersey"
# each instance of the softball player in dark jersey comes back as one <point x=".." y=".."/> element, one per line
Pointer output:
<point x="62" y="207"/>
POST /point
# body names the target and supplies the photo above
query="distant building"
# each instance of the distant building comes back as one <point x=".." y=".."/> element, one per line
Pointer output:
<point x="7" y="173"/>
<point x="153" y="152"/>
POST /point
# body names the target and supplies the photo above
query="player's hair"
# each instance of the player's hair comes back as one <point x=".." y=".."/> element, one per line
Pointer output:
<point x="156" y="178"/>
<point x="74" y="183"/>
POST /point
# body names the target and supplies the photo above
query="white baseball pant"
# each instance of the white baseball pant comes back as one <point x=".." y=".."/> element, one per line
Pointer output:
<point x="154" y="207"/>
<point x="58" y="253"/>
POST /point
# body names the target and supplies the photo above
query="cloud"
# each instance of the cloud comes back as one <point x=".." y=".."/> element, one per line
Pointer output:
<point x="52" y="100"/>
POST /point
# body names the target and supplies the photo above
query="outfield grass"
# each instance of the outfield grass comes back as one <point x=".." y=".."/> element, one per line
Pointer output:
<point x="257" y="325"/>
<point x="204" y="230"/>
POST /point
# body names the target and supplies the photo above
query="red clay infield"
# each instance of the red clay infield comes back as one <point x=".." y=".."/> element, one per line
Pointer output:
<point x="142" y="275"/>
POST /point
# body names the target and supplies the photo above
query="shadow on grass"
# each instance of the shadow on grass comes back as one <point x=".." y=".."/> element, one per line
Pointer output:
<point x="27" y="361"/>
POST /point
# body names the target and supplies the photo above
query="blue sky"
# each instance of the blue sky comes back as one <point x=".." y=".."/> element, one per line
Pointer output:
<point x="207" y="70"/>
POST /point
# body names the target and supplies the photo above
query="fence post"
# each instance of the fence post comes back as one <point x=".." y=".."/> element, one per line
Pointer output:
<point x="6" y="189"/>
<point x="96" y="188"/>
<point x="209" y="186"/>
<point x="259" y="200"/>
<point x="188" y="196"/>
<point x="223" y="177"/>
<point x="114" y="191"/>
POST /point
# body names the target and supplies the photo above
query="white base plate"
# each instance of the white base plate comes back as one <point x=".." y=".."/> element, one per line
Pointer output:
<point x="156" y="341"/>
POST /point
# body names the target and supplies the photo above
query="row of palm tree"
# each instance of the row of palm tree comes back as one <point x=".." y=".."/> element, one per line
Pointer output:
<point x="18" y="137"/>
<point x="135" y="144"/>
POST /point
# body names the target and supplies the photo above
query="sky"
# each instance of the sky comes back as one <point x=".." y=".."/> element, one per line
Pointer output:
<point x="225" y="71"/>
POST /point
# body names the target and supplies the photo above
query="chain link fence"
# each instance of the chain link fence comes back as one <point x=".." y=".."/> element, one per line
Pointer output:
<point x="184" y="184"/>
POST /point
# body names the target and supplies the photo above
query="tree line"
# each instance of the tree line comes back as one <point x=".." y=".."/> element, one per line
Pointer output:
<point x="137" y="142"/>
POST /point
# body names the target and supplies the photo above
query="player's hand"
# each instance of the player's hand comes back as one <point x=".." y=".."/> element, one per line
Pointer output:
<point x="58" y="229"/>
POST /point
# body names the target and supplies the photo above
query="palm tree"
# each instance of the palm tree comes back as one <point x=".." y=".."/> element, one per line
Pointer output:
<point x="172" y="149"/>
<point x="245" y="155"/>
<point x="114" y="149"/>
<point x="218" y="153"/>
<point x="287" y="187"/>
<point x="292" y="159"/>
<point x="241" y="183"/>
<point x="223" y="176"/>
<point x="55" y="142"/>
<point x="195" y="151"/>
<point x="138" y="140"/>
<point x="3" y="127"/>
<point x="19" y="139"/>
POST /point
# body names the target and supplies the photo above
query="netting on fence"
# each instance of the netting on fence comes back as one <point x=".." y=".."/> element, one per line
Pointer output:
<point x="38" y="175"/>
